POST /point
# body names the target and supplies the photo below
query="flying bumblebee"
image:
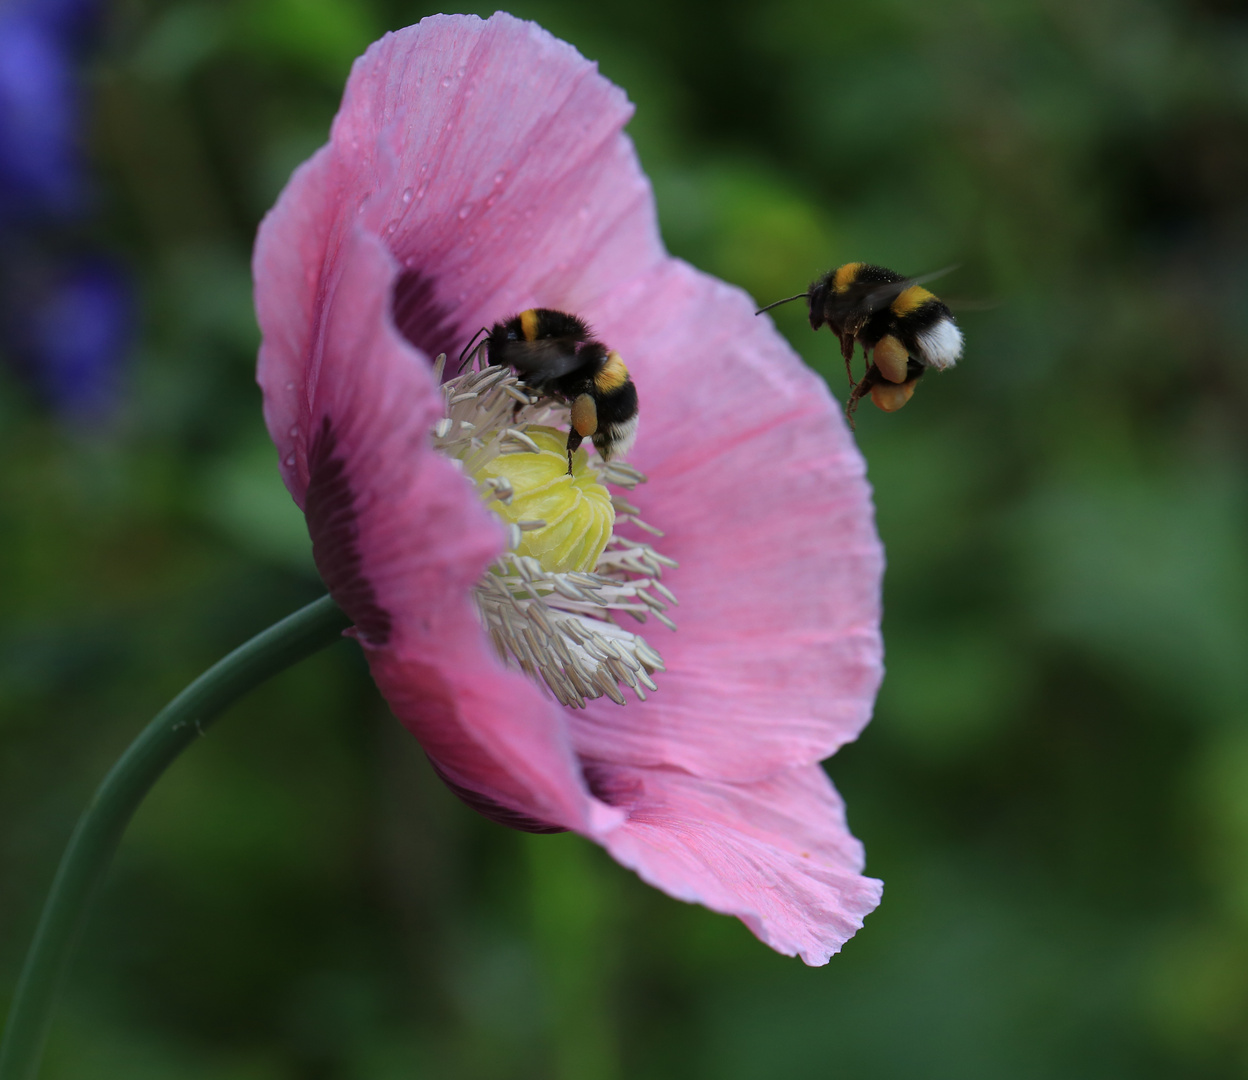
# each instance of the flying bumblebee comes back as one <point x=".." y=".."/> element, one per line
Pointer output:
<point x="902" y="327"/>
<point x="557" y="354"/>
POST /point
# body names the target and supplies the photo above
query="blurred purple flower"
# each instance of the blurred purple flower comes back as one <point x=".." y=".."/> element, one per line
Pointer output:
<point x="40" y="106"/>
<point x="65" y="320"/>
<point x="69" y="332"/>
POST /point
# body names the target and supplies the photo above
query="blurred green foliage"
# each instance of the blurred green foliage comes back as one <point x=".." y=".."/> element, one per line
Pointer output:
<point x="1055" y="788"/>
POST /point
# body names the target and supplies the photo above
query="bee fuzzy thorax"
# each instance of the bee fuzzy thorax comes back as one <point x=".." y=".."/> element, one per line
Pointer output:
<point x="612" y="375"/>
<point x="843" y="276"/>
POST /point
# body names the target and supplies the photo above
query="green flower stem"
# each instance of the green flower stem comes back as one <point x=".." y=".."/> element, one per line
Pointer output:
<point x="99" y="829"/>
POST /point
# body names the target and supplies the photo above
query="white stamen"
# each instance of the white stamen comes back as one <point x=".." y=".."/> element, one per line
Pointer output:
<point x="519" y="436"/>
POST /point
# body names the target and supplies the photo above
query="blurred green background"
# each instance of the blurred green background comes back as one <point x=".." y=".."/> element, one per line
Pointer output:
<point x="1055" y="787"/>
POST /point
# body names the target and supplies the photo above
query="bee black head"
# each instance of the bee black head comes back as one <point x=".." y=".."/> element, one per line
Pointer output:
<point x="817" y="298"/>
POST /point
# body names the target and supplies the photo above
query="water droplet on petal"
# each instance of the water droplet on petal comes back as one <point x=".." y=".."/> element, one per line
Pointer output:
<point x="465" y="210"/>
<point x="446" y="80"/>
<point x="499" y="177"/>
<point x="424" y="168"/>
<point x="294" y="432"/>
<point x="392" y="227"/>
<point x="420" y="191"/>
<point x="290" y="386"/>
<point x="407" y="195"/>
<point x="290" y="461"/>
<point x="460" y="71"/>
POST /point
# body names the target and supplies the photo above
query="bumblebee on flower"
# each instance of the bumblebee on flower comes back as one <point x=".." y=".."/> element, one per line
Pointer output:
<point x="556" y="353"/>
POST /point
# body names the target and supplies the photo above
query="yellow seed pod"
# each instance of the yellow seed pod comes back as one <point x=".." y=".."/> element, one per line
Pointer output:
<point x="577" y="509"/>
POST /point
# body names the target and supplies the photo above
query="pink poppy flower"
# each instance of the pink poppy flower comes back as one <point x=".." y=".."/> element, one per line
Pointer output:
<point x="477" y="169"/>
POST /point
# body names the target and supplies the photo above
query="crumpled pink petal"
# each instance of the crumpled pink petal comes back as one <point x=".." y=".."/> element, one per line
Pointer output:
<point x="776" y="853"/>
<point x="475" y="169"/>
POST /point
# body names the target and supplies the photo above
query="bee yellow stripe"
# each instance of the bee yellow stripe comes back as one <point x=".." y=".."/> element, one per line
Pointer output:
<point x="528" y="324"/>
<point x="844" y="276"/>
<point x="910" y="299"/>
<point x="613" y="374"/>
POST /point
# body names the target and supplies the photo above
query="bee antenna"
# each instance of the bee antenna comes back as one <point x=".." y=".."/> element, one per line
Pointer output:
<point x="799" y="296"/>
<point x="469" y="352"/>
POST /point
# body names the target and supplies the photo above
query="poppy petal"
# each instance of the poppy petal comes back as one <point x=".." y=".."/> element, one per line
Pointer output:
<point x="776" y="853"/>
<point x="503" y="184"/>
<point x="400" y="539"/>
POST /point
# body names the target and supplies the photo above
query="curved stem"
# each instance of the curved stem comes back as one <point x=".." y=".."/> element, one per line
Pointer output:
<point x="99" y="829"/>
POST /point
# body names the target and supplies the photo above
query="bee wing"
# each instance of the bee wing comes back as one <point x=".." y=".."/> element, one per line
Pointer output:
<point x="545" y="359"/>
<point x="872" y="296"/>
<point x="922" y="278"/>
<point x="959" y="304"/>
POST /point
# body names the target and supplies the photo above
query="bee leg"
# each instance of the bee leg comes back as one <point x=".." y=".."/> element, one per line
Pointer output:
<point x="574" y="440"/>
<point x="847" y="351"/>
<point x="871" y="379"/>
